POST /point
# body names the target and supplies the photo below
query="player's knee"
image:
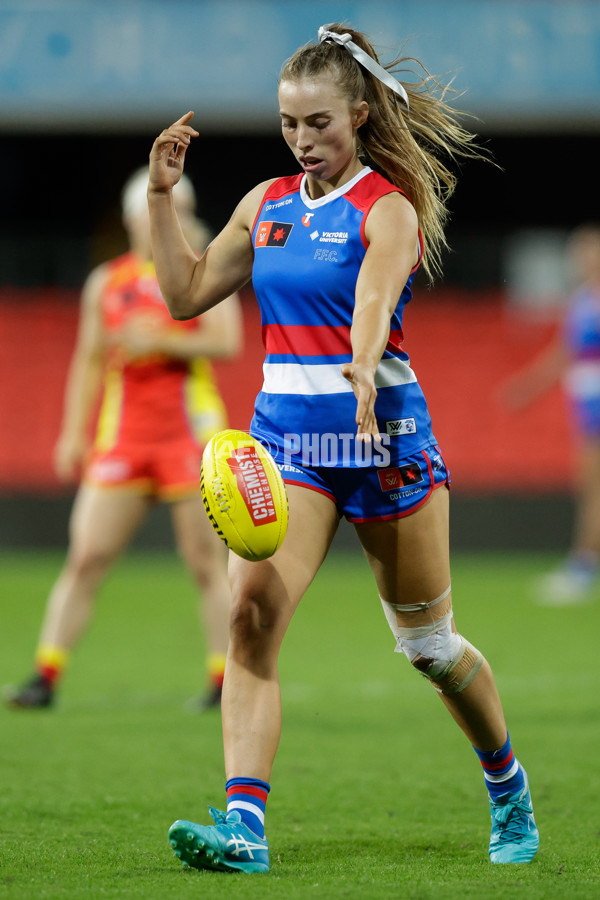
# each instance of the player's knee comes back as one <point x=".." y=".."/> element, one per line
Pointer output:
<point x="254" y="638"/>
<point x="252" y="618"/>
<point x="200" y="546"/>
<point x="89" y="564"/>
<point x="424" y="634"/>
<point x="448" y="660"/>
<point x="205" y="567"/>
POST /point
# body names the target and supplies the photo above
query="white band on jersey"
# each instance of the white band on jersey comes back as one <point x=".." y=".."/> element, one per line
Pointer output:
<point x="295" y="378"/>
<point x="345" y="40"/>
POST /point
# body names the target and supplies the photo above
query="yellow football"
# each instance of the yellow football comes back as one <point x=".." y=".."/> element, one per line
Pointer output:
<point x="244" y="494"/>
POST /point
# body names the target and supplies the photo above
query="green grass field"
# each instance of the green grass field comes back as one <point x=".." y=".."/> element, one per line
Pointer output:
<point x="376" y="794"/>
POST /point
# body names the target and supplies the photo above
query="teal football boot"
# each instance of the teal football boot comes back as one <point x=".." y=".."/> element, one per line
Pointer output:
<point x="514" y="838"/>
<point x="226" y="846"/>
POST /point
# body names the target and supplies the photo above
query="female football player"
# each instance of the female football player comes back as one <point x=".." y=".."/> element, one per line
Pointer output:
<point x="160" y="405"/>
<point x="332" y="253"/>
<point x="574" y="356"/>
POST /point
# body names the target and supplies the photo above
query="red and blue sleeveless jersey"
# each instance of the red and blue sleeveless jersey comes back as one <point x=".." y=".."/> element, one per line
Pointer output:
<point x="307" y="257"/>
<point x="582" y="324"/>
<point x="582" y="335"/>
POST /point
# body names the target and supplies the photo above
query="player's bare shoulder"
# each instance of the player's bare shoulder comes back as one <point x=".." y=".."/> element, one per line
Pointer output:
<point x="95" y="285"/>
<point x="392" y="231"/>
<point x="391" y="211"/>
<point x="248" y="207"/>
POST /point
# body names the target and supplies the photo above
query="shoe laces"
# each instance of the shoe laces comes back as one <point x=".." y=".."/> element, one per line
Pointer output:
<point x="222" y="818"/>
<point x="509" y="818"/>
<point x="219" y="817"/>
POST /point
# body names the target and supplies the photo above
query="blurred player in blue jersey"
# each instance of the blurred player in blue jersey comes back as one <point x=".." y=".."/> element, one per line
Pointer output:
<point x="332" y="254"/>
<point x="574" y="357"/>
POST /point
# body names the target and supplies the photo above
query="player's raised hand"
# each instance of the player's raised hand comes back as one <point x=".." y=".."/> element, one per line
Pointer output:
<point x="167" y="156"/>
<point x="363" y="384"/>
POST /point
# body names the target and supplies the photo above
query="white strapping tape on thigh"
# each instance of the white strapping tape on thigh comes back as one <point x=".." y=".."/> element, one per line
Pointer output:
<point x="419" y="607"/>
<point x="390" y="609"/>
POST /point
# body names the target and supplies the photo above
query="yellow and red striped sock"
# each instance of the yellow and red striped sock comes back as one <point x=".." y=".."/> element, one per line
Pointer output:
<point x="50" y="662"/>
<point x="215" y="667"/>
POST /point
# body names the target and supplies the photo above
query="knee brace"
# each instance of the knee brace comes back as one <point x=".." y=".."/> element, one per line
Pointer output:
<point x="423" y="632"/>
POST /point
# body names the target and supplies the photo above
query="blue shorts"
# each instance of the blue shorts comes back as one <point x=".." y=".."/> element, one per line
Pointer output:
<point x="586" y="412"/>
<point x="373" y="494"/>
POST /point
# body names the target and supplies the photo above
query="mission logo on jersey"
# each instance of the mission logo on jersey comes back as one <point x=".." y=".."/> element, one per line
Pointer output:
<point x="273" y="234"/>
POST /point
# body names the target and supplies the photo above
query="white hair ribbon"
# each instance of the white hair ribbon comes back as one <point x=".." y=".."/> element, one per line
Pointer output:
<point x="345" y="40"/>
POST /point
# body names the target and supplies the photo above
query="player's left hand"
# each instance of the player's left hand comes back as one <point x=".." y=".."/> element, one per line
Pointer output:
<point x="363" y="384"/>
<point x="140" y="337"/>
<point x="167" y="156"/>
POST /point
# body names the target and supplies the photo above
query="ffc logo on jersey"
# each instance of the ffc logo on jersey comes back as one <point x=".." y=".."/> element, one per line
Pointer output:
<point x="273" y="234"/>
<point x="400" y="477"/>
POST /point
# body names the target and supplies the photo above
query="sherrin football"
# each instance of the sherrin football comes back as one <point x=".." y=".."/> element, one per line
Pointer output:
<point x="244" y="494"/>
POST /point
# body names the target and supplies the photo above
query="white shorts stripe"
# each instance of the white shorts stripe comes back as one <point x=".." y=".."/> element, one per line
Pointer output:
<point x="583" y="379"/>
<point x="249" y="807"/>
<point x="293" y="378"/>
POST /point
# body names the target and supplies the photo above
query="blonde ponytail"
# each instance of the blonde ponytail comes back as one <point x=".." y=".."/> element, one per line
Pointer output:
<point x="407" y="146"/>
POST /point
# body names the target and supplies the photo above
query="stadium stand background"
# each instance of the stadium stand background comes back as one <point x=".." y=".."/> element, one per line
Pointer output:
<point x="84" y="89"/>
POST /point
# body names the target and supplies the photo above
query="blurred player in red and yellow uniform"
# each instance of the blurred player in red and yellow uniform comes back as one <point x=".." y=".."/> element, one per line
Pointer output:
<point x="160" y="405"/>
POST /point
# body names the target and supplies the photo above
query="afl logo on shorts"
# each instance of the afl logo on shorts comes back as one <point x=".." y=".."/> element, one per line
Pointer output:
<point x="400" y="477"/>
<point x="273" y="234"/>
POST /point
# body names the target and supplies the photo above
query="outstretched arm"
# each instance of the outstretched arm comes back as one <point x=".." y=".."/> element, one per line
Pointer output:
<point x="83" y="381"/>
<point x="545" y="370"/>
<point x="218" y="335"/>
<point x="392" y="232"/>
